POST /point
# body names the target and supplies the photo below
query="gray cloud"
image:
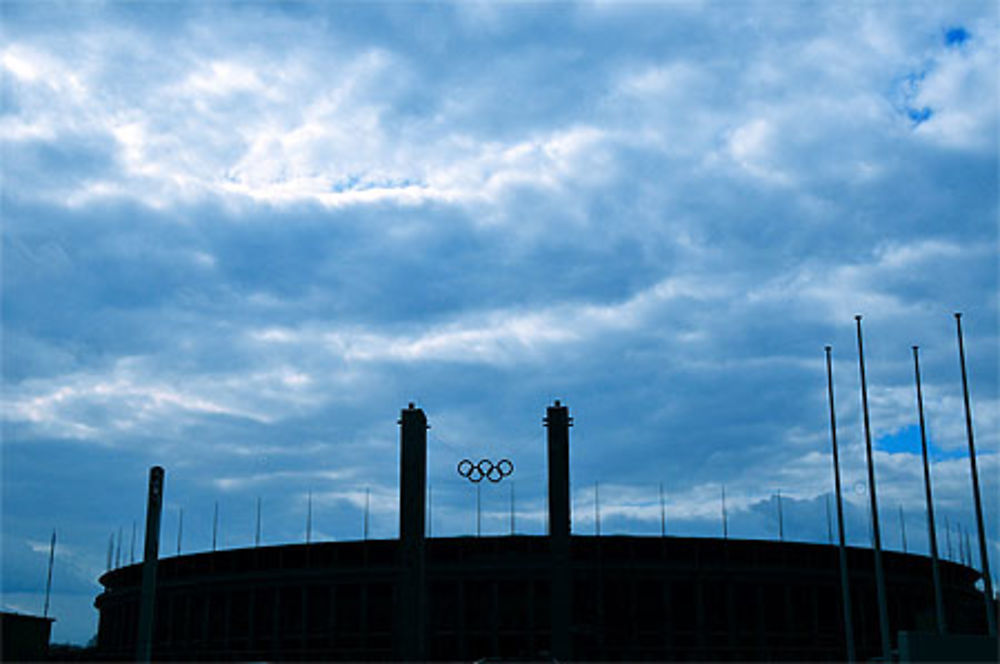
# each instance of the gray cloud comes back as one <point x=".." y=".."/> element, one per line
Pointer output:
<point x="237" y="238"/>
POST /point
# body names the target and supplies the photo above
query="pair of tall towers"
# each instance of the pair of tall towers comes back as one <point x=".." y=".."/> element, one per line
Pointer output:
<point x="411" y="627"/>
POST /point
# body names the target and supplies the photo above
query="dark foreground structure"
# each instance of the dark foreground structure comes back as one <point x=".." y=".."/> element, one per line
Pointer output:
<point x="24" y="638"/>
<point x="633" y="598"/>
<point x="559" y="596"/>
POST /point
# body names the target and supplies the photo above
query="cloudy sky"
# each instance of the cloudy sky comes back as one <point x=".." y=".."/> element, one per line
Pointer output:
<point x="239" y="237"/>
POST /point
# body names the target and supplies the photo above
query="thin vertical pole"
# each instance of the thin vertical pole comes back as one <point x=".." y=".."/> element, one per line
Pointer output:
<point x="256" y="534"/>
<point x="725" y="517"/>
<point x="844" y="585"/>
<point x="597" y="509"/>
<point x="663" y="514"/>
<point x="931" y="529"/>
<point x="366" y="517"/>
<point x="215" y="525"/>
<point x="118" y="549"/>
<point x="871" y="535"/>
<point x="309" y="518"/>
<point x="479" y="511"/>
<point x="131" y="553"/>
<point x="111" y="550"/>
<point x="781" y="519"/>
<point x="947" y="537"/>
<point x="48" y="580"/>
<point x="883" y="611"/>
<point x="902" y="527"/>
<point x="180" y="529"/>
<point x="991" y="620"/>
<point x="829" y="521"/>
<point x="512" y="525"/>
<point x="968" y="547"/>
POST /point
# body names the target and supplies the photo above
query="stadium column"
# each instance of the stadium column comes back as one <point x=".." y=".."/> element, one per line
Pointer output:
<point x="411" y="617"/>
<point x="154" y="506"/>
<point x="558" y="422"/>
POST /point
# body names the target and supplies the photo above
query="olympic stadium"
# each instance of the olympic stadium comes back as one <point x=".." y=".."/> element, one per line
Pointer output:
<point x="549" y="597"/>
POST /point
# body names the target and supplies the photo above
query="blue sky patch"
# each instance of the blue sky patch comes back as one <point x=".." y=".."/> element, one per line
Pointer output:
<point x="907" y="441"/>
<point x="956" y="36"/>
<point x="919" y="115"/>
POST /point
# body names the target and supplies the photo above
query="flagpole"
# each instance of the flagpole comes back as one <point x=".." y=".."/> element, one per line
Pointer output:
<point x="883" y="611"/>
<point x="48" y="581"/>
<point x="844" y="584"/>
<point x="931" y="530"/>
<point x="991" y="620"/>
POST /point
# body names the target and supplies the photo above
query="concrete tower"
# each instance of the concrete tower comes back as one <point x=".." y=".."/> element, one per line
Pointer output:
<point x="154" y="507"/>
<point x="411" y="625"/>
<point x="558" y="422"/>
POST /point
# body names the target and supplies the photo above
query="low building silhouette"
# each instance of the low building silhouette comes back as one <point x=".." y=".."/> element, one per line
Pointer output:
<point x="23" y="637"/>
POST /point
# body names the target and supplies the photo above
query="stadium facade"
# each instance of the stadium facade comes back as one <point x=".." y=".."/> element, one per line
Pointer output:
<point x="555" y="597"/>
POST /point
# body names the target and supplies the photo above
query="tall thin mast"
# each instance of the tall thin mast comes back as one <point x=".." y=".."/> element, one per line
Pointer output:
<point x="883" y="611"/>
<point x="48" y="581"/>
<point x="991" y="619"/>
<point x="844" y="585"/>
<point x="931" y="530"/>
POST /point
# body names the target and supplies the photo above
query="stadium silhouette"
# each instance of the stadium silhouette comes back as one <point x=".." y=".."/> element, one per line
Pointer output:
<point x="557" y="596"/>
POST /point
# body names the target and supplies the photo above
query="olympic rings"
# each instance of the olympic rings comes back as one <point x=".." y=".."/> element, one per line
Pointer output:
<point x="494" y="472"/>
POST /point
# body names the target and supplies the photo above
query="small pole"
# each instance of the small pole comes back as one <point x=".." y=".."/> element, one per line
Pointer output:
<point x="829" y="522"/>
<point x="991" y="620"/>
<point x="883" y="609"/>
<point x="902" y="527"/>
<point x="131" y="554"/>
<point x="781" y="520"/>
<point x="725" y="517"/>
<point x="215" y="525"/>
<point x="931" y="529"/>
<point x="111" y="550"/>
<point x="597" y="509"/>
<point x="871" y="533"/>
<point x="844" y="584"/>
<point x="947" y="536"/>
<point x="180" y="529"/>
<point x="365" y="517"/>
<point x="256" y="536"/>
<point x="479" y="512"/>
<point x="512" y="525"/>
<point x="309" y="518"/>
<point x="48" y="581"/>
<point x="663" y="514"/>
<point x="118" y="549"/>
<point x="968" y="547"/>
